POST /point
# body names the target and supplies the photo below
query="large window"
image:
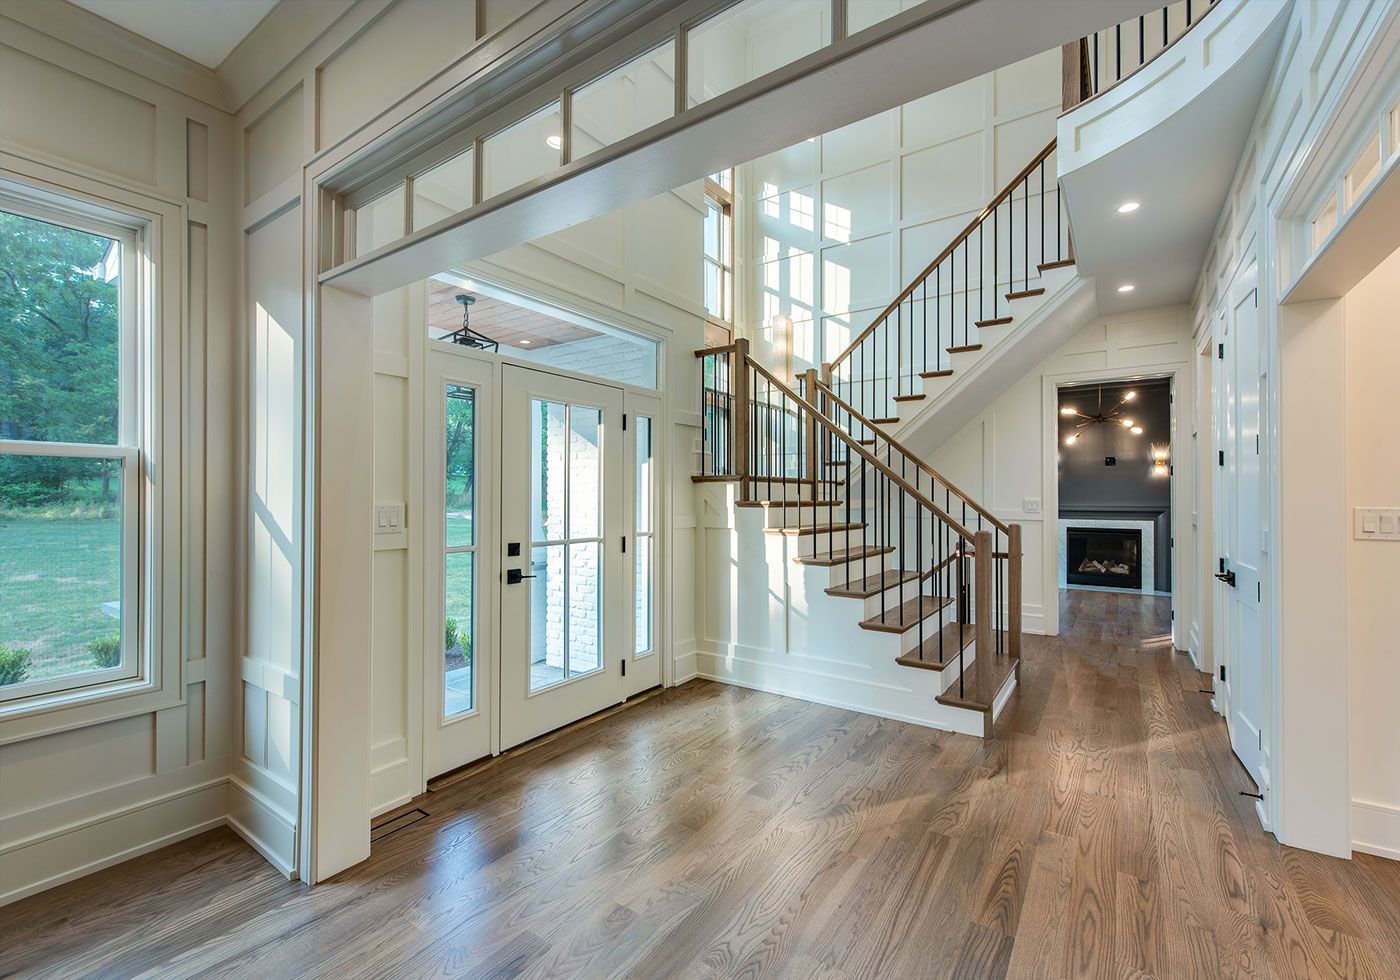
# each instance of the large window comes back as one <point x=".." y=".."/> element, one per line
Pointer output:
<point x="719" y="252"/>
<point x="69" y="488"/>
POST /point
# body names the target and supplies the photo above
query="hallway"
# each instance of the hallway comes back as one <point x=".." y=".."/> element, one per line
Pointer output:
<point x="716" y="831"/>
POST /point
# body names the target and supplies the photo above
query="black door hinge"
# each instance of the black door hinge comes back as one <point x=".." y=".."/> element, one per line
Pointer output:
<point x="624" y="544"/>
<point x="624" y="421"/>
<point x="1222" y="457"/>
<point x="1222" y="672"/>
<point x="624" y="668"/>
<point x="1220" y="351"/>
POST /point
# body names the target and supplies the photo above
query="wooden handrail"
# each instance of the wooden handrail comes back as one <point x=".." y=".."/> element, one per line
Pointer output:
<point x="855" y="447"/>
<point x="962" y="236"/>
<point x="846" y="406"/>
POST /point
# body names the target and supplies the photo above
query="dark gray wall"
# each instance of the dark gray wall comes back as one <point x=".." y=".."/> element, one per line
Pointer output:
<point x="1088" y="488"/>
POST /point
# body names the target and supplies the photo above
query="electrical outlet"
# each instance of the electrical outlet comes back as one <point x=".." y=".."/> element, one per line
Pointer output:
<point x="1377" y="523"/>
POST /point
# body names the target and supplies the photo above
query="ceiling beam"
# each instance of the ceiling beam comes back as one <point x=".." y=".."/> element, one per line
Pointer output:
<point x="928" y="48"/>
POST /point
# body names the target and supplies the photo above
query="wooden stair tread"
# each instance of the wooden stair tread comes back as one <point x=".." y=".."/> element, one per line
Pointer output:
<point x="841" y="556"/>
<point x="909" y="398"/>
<point x="1026" y="293"/>
<point x="905" y="616"/>
<point x="940" y="649"/>
<point x="814" y="528"/>
<point x="1061" y="264"/>
<point x="994" y="322"/>
<point x="890" y="421"/>
<point x="964" y="348"/>
<point x="972" y="697"/>
<point x="873" y="584"/>
<point x="935" y="374"/>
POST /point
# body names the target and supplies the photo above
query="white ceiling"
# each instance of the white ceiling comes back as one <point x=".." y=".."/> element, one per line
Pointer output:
<point x="203" y="30"/>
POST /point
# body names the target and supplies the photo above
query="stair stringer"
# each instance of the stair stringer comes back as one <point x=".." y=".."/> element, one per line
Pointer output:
<point x="783" y="634"/>
<point x="1007" y="354"/>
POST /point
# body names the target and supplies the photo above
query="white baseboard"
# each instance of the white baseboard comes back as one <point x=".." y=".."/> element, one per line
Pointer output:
<point x="263" y="825"/>
<point x="1375" y="828"/>
<point x="912" y="702"/>
<point x="29" y="867"/>
<point x="684" y="665"/>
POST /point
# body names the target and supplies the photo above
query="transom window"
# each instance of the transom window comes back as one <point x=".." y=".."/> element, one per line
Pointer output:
<point x="69" y="427"/>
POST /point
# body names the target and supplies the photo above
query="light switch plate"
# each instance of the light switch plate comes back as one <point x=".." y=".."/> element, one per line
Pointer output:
<point x="1031" y="505"/>
<point x="1376" y="523"/>
<point x="389" y="517"/>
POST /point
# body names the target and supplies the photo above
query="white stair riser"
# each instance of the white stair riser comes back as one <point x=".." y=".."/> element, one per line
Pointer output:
<point x="826" y="542"/>
<point x="790" y="516"/>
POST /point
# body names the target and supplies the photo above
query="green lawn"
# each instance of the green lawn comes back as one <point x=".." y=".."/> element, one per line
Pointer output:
<point x="55" y="574"/>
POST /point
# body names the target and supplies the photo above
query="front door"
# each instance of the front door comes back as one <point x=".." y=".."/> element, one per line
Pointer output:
<point x="1243" y="529"/>
<point x="562" y="551"/>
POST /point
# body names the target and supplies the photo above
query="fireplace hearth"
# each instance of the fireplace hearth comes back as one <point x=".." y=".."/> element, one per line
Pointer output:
<point x="1104" y="556"/>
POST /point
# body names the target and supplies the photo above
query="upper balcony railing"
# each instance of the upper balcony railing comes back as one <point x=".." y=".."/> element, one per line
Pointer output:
<point x="1100" y="61"/>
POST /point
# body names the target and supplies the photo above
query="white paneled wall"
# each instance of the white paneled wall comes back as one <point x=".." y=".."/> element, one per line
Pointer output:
<point x="835" y="226"/>
<point x="84" y="798"/>
<point x="1336" y="76"/>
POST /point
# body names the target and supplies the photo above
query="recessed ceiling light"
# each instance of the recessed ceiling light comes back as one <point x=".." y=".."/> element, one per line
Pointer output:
<point x="525" y="343"/>
<point x="1127" y="287"/>
<point x="1128" y="207"/>
<point x="555" y="141"/>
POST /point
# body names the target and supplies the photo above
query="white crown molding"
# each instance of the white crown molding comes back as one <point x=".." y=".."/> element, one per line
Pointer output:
<point x="103" y="39"/>
<point x="280" y="38"/>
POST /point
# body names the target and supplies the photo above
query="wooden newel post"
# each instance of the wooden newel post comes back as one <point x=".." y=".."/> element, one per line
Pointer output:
<point x="1013" y="595"/>
<point x="809" y="392"/>
<point x="982" y="564"/>
<point x="740" y="387"/>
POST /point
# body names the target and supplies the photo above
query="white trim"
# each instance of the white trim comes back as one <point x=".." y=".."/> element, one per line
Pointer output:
<point x="1375" y="828"/>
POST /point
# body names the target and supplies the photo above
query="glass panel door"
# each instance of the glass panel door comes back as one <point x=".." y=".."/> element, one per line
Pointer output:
<point x="459" y="590"/>
<point x="643" y="668"/>
<point x="563" y="604"/>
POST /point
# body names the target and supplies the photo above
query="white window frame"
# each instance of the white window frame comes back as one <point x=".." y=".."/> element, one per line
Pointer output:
<point x="721" y="198"/>
<point x="148" y="446"/>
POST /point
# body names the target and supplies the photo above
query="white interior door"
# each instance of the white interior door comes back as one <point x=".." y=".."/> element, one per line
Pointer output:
<point x="1244" y="559"/>
<point x="461" y="586"/>
<point x="564" y="528"/>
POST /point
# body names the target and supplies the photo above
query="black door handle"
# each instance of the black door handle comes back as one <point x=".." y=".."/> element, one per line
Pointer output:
<point x="1227" y="577"/>
<point x="514" y="576"/>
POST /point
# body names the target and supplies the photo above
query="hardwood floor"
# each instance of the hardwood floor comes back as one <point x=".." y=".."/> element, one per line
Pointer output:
<point x="715" y="831"/>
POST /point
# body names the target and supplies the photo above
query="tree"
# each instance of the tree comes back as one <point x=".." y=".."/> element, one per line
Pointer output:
<point x="59" y="352"/>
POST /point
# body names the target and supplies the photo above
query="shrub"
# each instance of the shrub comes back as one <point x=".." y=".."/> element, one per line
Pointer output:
<point x="14" y="665"/>
<point x="106" y="651"/>
<point x="450" y="640"/>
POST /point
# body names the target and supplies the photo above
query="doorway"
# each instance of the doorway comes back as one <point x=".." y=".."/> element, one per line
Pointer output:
<point x="541" y="490"/>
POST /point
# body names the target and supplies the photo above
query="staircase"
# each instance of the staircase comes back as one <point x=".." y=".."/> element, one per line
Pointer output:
<point x="853" y="527"/>
<point x="928" y="578"/>
<point x="1002" y="268"/>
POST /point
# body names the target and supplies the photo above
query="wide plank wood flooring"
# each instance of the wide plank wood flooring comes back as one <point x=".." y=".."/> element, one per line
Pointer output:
<point x="713" y="831"/>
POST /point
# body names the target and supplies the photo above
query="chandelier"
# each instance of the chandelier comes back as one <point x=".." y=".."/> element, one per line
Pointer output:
<point x="1117" y="415"/>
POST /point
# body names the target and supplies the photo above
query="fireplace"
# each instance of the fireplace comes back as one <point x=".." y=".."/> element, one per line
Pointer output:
<point x="1103" y="556"/>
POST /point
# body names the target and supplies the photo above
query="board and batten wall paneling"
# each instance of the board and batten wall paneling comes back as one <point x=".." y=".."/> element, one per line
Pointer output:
<point x="264" y="791"/>
<point x="88" y="797"/>
<point x="1329" y="63"/>
<point x="835" y="226"/>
